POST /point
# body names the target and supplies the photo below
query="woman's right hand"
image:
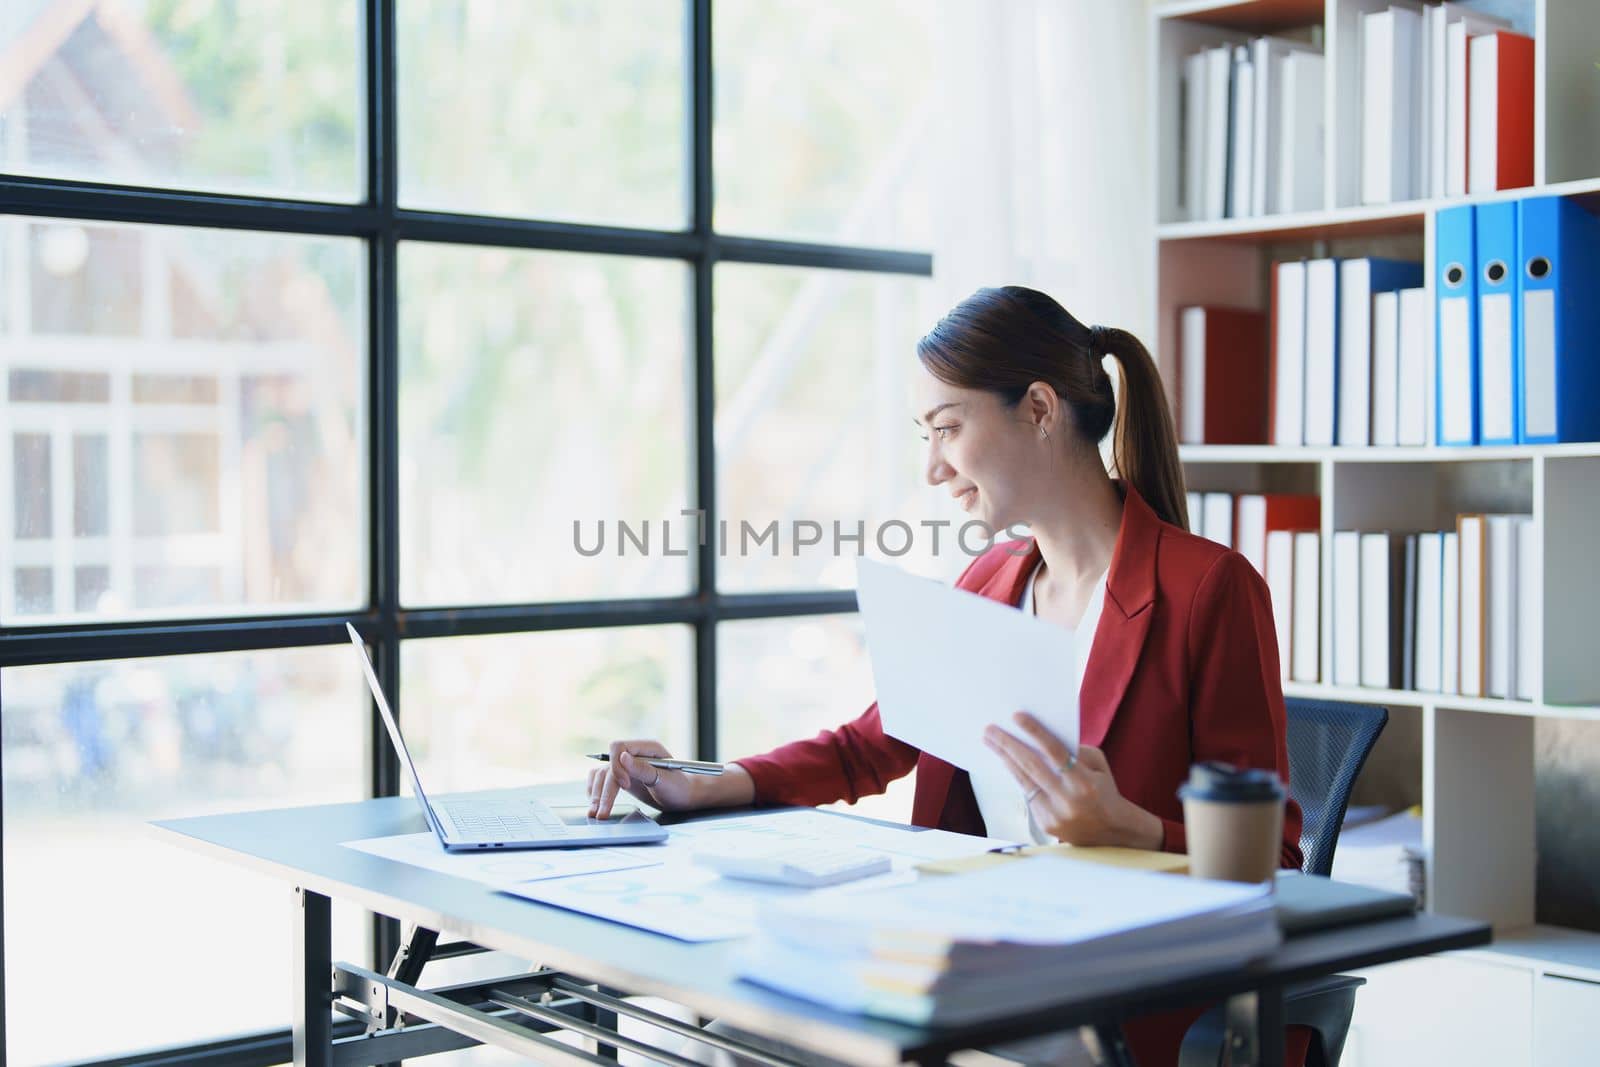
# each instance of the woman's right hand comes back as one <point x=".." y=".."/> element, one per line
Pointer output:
<point x="629" y="768"/>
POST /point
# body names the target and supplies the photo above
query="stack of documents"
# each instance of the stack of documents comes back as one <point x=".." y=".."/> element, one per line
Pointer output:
<point x="966" y="947"/>
<point x="1387" y="854"/>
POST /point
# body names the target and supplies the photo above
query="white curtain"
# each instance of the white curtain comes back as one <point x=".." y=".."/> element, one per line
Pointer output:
<point x="1042" y="160"/>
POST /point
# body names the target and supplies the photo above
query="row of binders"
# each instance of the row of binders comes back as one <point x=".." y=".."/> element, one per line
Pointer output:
<point x="1502" y="351"/>
<point x="1446" y="100"/>
<point x="1518" y="322"/>
<point x="1251" y="129"/>
<point x="1452" y="611"/>
<point x="1349" y="363"/>
<point x="1277" y="533"/>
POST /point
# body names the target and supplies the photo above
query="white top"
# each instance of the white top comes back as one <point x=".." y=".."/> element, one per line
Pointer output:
<point x="1000" y="797"/>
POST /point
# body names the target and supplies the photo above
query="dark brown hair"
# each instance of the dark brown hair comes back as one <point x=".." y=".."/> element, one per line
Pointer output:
<point x="1003" y="340"/>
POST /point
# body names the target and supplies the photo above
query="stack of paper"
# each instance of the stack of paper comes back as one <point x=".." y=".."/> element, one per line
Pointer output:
<point x="1386" y="854"/>
<point x="967" y="947"/>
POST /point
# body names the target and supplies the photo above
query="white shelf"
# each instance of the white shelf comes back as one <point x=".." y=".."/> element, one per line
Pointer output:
<point x="1412" y="698"/>
<point x="1378" y="218"/>
<point x="1354" y="221"/>
<point x="1554" y="950"/>
<point x="1371" y="454"/>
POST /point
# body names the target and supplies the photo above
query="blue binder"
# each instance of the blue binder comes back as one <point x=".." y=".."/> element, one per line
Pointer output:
<point x="1455" y="327"/>
<point x="1497" y="323"/>
<point x="1558" y="278"/>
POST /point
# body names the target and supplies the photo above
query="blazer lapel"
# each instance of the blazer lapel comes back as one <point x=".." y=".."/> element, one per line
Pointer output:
<point x="1124" y="622"/>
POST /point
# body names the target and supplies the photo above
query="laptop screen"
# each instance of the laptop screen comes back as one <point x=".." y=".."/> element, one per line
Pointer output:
<point x="388" y="717"/>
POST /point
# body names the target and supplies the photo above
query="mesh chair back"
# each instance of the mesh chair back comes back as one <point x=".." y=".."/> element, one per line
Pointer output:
<point x="1328" y="742"/>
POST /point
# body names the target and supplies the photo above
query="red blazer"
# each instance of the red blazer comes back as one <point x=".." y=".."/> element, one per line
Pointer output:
<point x="1184" y="667"/>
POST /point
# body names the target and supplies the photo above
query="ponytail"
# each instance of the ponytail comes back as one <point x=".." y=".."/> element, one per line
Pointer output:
<point x="1144" y="446"/>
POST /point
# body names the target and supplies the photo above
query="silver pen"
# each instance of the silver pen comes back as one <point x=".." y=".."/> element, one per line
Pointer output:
<point x="688" y="766"/>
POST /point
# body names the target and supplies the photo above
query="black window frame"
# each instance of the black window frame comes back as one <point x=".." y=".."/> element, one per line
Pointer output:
<point x="381" y="223"/>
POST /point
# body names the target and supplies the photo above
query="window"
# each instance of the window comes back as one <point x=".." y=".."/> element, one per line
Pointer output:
<point x="394" y="312"/>
<point x="544" y="398"/>
<point x="183" y="416"/>
<point x="825" y="130"/>
<point x="582" y="103"/>
<point x="95" y="750"/>
<point x="184" y="93"/>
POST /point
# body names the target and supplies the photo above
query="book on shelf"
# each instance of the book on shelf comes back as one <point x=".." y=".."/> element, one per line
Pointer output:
<point x="1386" y="369"/>
<point x="1222" y="376"/>
<point x="1280" y="587"/>
<point x="1218" y="509"/>
<point x="1456" y="303"/>
<point x="1495" y="241"/>
<point x="1447" y="28"/>
<point x="1391" y="112"/>
<point x="1381" y="588"/>
<point x="1414" y="348"/>
<point x="1359" y="280"/>
<point x="1558" y="258"/>
<point x="1515" y="323"/>
<point x="1250" y="139"/>
<point x="1428" y="641"/>
<point x="1321" y="374"/>
<point x="1306" y="634"/>
<point x="1500" y="606"/>
<point x="1346" y="607"/>
<point x="1440" y="611"/>
<point x="1450" y="615"/>
<point x="1499" y="111"/>
<point x="1444" y="104"/>
<point x="1287" y="391"/>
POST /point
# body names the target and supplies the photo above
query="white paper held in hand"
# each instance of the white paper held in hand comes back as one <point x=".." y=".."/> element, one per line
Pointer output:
<point x="946" y="663"/>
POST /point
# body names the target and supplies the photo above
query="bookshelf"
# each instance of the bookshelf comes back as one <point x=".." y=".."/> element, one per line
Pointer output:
<point x="1477" y="764"/>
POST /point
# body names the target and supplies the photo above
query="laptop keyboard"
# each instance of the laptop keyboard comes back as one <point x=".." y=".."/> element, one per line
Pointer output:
<point x="510" y="822"/>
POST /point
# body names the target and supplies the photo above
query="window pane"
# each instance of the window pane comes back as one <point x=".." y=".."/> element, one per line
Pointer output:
<point x="814" y="406"/>
<point x="824" y="120"/>
<point x="543" y="395"/>
<point x="30" y="466"/>
<point x="89" y="491"/>
<point x="567" y="109"/>
<point x="518" y="709"/>
<point x="92" y="753"/>
<point x="249" y="98"/>
<point x="186" y="414"/>
<point x="781" y="680"/>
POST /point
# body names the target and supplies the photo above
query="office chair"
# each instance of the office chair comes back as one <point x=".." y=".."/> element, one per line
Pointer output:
<point x="1328" y="743"/>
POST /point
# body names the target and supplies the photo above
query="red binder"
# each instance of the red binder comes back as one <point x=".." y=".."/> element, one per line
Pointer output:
<point x="1228" y="405"/>
<point x="1509" y="113"/>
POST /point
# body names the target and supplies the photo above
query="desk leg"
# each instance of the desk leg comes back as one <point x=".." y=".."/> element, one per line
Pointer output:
<point x="313" y="980"/>
<point x="1269" y="1026"/>
<point x="1255" y="1028"/>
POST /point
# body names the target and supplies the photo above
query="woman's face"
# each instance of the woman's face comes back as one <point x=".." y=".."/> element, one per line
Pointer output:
<point x="989" y="457"/>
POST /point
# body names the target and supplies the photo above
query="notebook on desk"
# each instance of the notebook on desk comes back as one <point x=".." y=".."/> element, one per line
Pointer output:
<point x="1307" y="902"/>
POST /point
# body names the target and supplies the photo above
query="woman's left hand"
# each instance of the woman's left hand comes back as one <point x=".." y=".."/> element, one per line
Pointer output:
<point x="1072" y="799"/>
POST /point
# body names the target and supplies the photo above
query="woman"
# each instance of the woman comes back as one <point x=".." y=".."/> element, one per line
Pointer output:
<point x="1182" y="660"/>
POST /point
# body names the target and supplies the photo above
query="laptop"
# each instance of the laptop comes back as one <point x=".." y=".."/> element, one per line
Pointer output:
<point x="510" y="818"/>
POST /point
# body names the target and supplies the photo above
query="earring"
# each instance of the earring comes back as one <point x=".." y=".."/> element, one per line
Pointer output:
<point x="1044" y="433"/>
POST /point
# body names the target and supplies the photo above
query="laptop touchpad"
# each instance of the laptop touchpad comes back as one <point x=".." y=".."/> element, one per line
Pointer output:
<point x="578" y="815"/>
